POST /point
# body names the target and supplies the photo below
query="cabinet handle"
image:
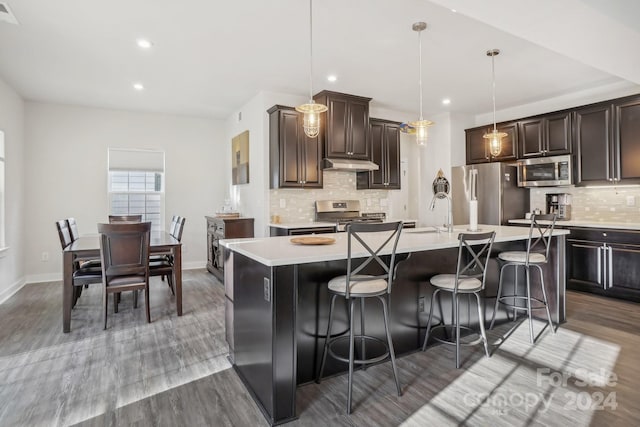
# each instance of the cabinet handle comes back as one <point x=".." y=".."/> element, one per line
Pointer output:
<point x="600" y="266"/>
<point x="610" y="268"/>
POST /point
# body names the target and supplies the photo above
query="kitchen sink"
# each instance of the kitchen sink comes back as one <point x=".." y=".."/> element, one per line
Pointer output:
<point x="435" y="230"/>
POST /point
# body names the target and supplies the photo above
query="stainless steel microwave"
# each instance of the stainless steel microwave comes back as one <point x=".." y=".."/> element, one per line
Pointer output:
<point x="545" y="171"/>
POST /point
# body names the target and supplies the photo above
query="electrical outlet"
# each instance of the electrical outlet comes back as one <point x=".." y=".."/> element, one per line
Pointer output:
<point x="421" y="305"/>
<point x="283" y="203"/>
<point x="184" y="249"/>
<point x="267" y="289"/>
<point x="631" y="200"/>
<point x="45" y="256"/>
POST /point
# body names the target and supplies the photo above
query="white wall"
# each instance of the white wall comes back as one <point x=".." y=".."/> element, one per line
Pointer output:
<point x="66" y="176"/>
<point x="12" y="266"/>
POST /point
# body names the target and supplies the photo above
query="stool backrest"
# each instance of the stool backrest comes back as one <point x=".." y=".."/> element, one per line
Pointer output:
<point x="474" y="252"/>
<point x="385" y="233"/>
<point x="541" y="243"/>
<point x="124" y="218"/>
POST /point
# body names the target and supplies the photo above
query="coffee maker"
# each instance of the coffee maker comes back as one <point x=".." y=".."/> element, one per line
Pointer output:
<point x="560" y="204"/>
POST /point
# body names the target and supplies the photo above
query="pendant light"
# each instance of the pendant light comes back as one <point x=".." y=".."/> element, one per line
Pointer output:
<point x="494" y="137"/>
<point x="420" y="125"/>
<point x="311" y="110"/>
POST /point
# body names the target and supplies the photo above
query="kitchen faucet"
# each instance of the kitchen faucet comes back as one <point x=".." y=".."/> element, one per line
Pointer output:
<point x="439" y="195"/>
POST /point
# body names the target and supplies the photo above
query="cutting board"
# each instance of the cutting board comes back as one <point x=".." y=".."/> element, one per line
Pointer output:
<point x="313" y="240"/>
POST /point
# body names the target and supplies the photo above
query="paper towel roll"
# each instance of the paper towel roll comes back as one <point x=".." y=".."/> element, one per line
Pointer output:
<point x="473" y="215"/>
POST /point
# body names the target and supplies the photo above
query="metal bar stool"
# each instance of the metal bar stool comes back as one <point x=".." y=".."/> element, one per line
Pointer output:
<point x="537" y="254"/>
<point x="360" y="287"/>
<point x="474" y="252"/>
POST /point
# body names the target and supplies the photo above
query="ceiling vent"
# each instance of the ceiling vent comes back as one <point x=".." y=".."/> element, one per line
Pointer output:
<point x="6" y="15"/>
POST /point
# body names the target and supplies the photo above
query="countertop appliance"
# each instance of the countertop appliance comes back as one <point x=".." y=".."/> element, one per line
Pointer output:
<point x="496" y="189"/>
<point x="545" y="171"/>
<point x="342" y="212"/>
<point x="559" y="203"/>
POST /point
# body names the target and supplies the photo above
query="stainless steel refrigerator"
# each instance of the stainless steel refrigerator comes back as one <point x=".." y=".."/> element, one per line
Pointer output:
<point x="499" y="197"/>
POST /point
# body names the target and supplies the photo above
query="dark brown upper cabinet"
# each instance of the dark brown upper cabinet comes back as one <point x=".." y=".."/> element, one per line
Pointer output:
<point x="478" y="147"/>
<point x="294" y="158"/>
<point x="607" y="142"/>
<point x="346" y="131"/>
<point x="549" y="135"/>
<point x="626" y="140"/>
<point x="385" y="152"/>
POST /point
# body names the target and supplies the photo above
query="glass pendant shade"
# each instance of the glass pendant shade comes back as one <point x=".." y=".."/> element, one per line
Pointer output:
<point x="495" y="141"/>
<point x="311" y="110"/>
<point x="422" y="130"/>
<point x="421" y="126"/>
<point x="311" y="121"/>
<point x="494" y="137"/>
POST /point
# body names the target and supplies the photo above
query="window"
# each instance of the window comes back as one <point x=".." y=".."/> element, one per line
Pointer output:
<point x="136" y="184"/>
<point x="2" y="190"/>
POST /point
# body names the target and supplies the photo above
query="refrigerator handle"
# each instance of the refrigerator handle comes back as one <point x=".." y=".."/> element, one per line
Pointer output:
<point x="474" y="184"/>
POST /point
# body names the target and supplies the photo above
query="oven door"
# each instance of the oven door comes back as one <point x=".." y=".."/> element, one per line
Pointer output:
<point x="544" y="172"/>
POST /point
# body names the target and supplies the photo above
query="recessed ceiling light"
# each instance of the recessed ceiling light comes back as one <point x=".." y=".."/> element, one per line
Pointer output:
<point x="453" y="10"/>
<point x="138" y="86"/>
<point x="446" y="101"/>
<point x="332" y="78"/>
<point x="144" y="44"/>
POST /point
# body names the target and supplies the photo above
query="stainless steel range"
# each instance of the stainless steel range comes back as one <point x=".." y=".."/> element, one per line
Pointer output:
<point x="343" y="212"/>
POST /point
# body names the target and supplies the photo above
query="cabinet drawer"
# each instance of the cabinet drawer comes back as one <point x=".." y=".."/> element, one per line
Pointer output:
<point x="605" y="235"/>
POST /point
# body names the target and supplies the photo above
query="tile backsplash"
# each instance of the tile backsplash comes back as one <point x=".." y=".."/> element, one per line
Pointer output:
<point x="338" y="185"/>
<point x="606" y="204"/>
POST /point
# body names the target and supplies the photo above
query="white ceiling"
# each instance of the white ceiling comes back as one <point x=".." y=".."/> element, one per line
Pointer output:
<point x="210" y="57"/>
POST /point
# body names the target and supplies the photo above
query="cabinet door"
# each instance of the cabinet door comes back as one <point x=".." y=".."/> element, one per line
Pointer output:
<point x="584" y="265"/>
<point x="557" y="134"/>
<point x="310" y="160"/>
<point x="625" y="268"/>
<point x="290" y="169"/>
<point x="392" y="138"/>
<point x="627" y="141"/>
<point x="337" y="128"/>
<point x="593" y="145"/>
<point x="530" y="137"/>
<point x="476" y="146"/>
<point x="377" y="178"/>
<point x="358" y="145"/>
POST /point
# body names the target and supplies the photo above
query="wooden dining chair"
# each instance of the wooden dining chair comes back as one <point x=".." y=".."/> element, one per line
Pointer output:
<point x="124" y="251"/>
<point x="163" y="265"/>
<point x="124" y="218"/>
<point x="83" y="274"/>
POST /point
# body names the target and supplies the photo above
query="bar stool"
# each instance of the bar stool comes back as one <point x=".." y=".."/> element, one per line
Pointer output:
<point x="361" y="287"/>
<point x="537" y="254"/>
<point x="474" y="252"/>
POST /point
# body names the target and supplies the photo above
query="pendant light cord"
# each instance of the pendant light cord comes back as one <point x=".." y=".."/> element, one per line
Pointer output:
<point x="420" y="69"/>
<point x="311" y="49"/>
<point x="493" y="78"/>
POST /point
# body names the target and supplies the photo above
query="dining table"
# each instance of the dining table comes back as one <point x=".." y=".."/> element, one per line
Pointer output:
<point x="88" y="246"/>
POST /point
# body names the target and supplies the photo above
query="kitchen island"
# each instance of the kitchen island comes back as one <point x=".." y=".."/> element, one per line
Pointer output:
<point x="279" y="315"/>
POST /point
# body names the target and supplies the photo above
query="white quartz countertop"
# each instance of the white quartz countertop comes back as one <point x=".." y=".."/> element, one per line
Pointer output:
<point x="587" y="224"/>
<point x="275" y="251"/>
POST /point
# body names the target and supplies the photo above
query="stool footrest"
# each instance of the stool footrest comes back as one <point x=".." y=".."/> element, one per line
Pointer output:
<point x="376" y="359"/>
<point x="452" y="327"/>
<point x="524" y="298"/>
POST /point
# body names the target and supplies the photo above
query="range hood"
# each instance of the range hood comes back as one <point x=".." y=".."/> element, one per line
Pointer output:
<point x="349" y="165"/>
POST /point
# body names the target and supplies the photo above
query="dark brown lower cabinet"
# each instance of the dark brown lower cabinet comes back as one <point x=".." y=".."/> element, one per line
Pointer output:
<point x="223" y="228"/>
<point x="605" y="262"/>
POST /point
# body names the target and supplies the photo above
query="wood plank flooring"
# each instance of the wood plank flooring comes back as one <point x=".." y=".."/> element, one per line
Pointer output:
<point x="174" y="371"/>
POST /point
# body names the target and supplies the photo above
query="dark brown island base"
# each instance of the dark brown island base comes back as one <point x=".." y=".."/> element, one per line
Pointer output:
<point x="276" y="325"/>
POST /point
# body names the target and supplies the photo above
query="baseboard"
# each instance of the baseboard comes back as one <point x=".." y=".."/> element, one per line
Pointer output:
<point x="194" y="265"/>
<point x="5" y="295"/>
<point x="47" y="277"/>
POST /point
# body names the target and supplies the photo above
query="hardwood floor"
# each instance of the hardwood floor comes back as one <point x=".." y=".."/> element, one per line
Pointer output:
<point x="174" y="371"/>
